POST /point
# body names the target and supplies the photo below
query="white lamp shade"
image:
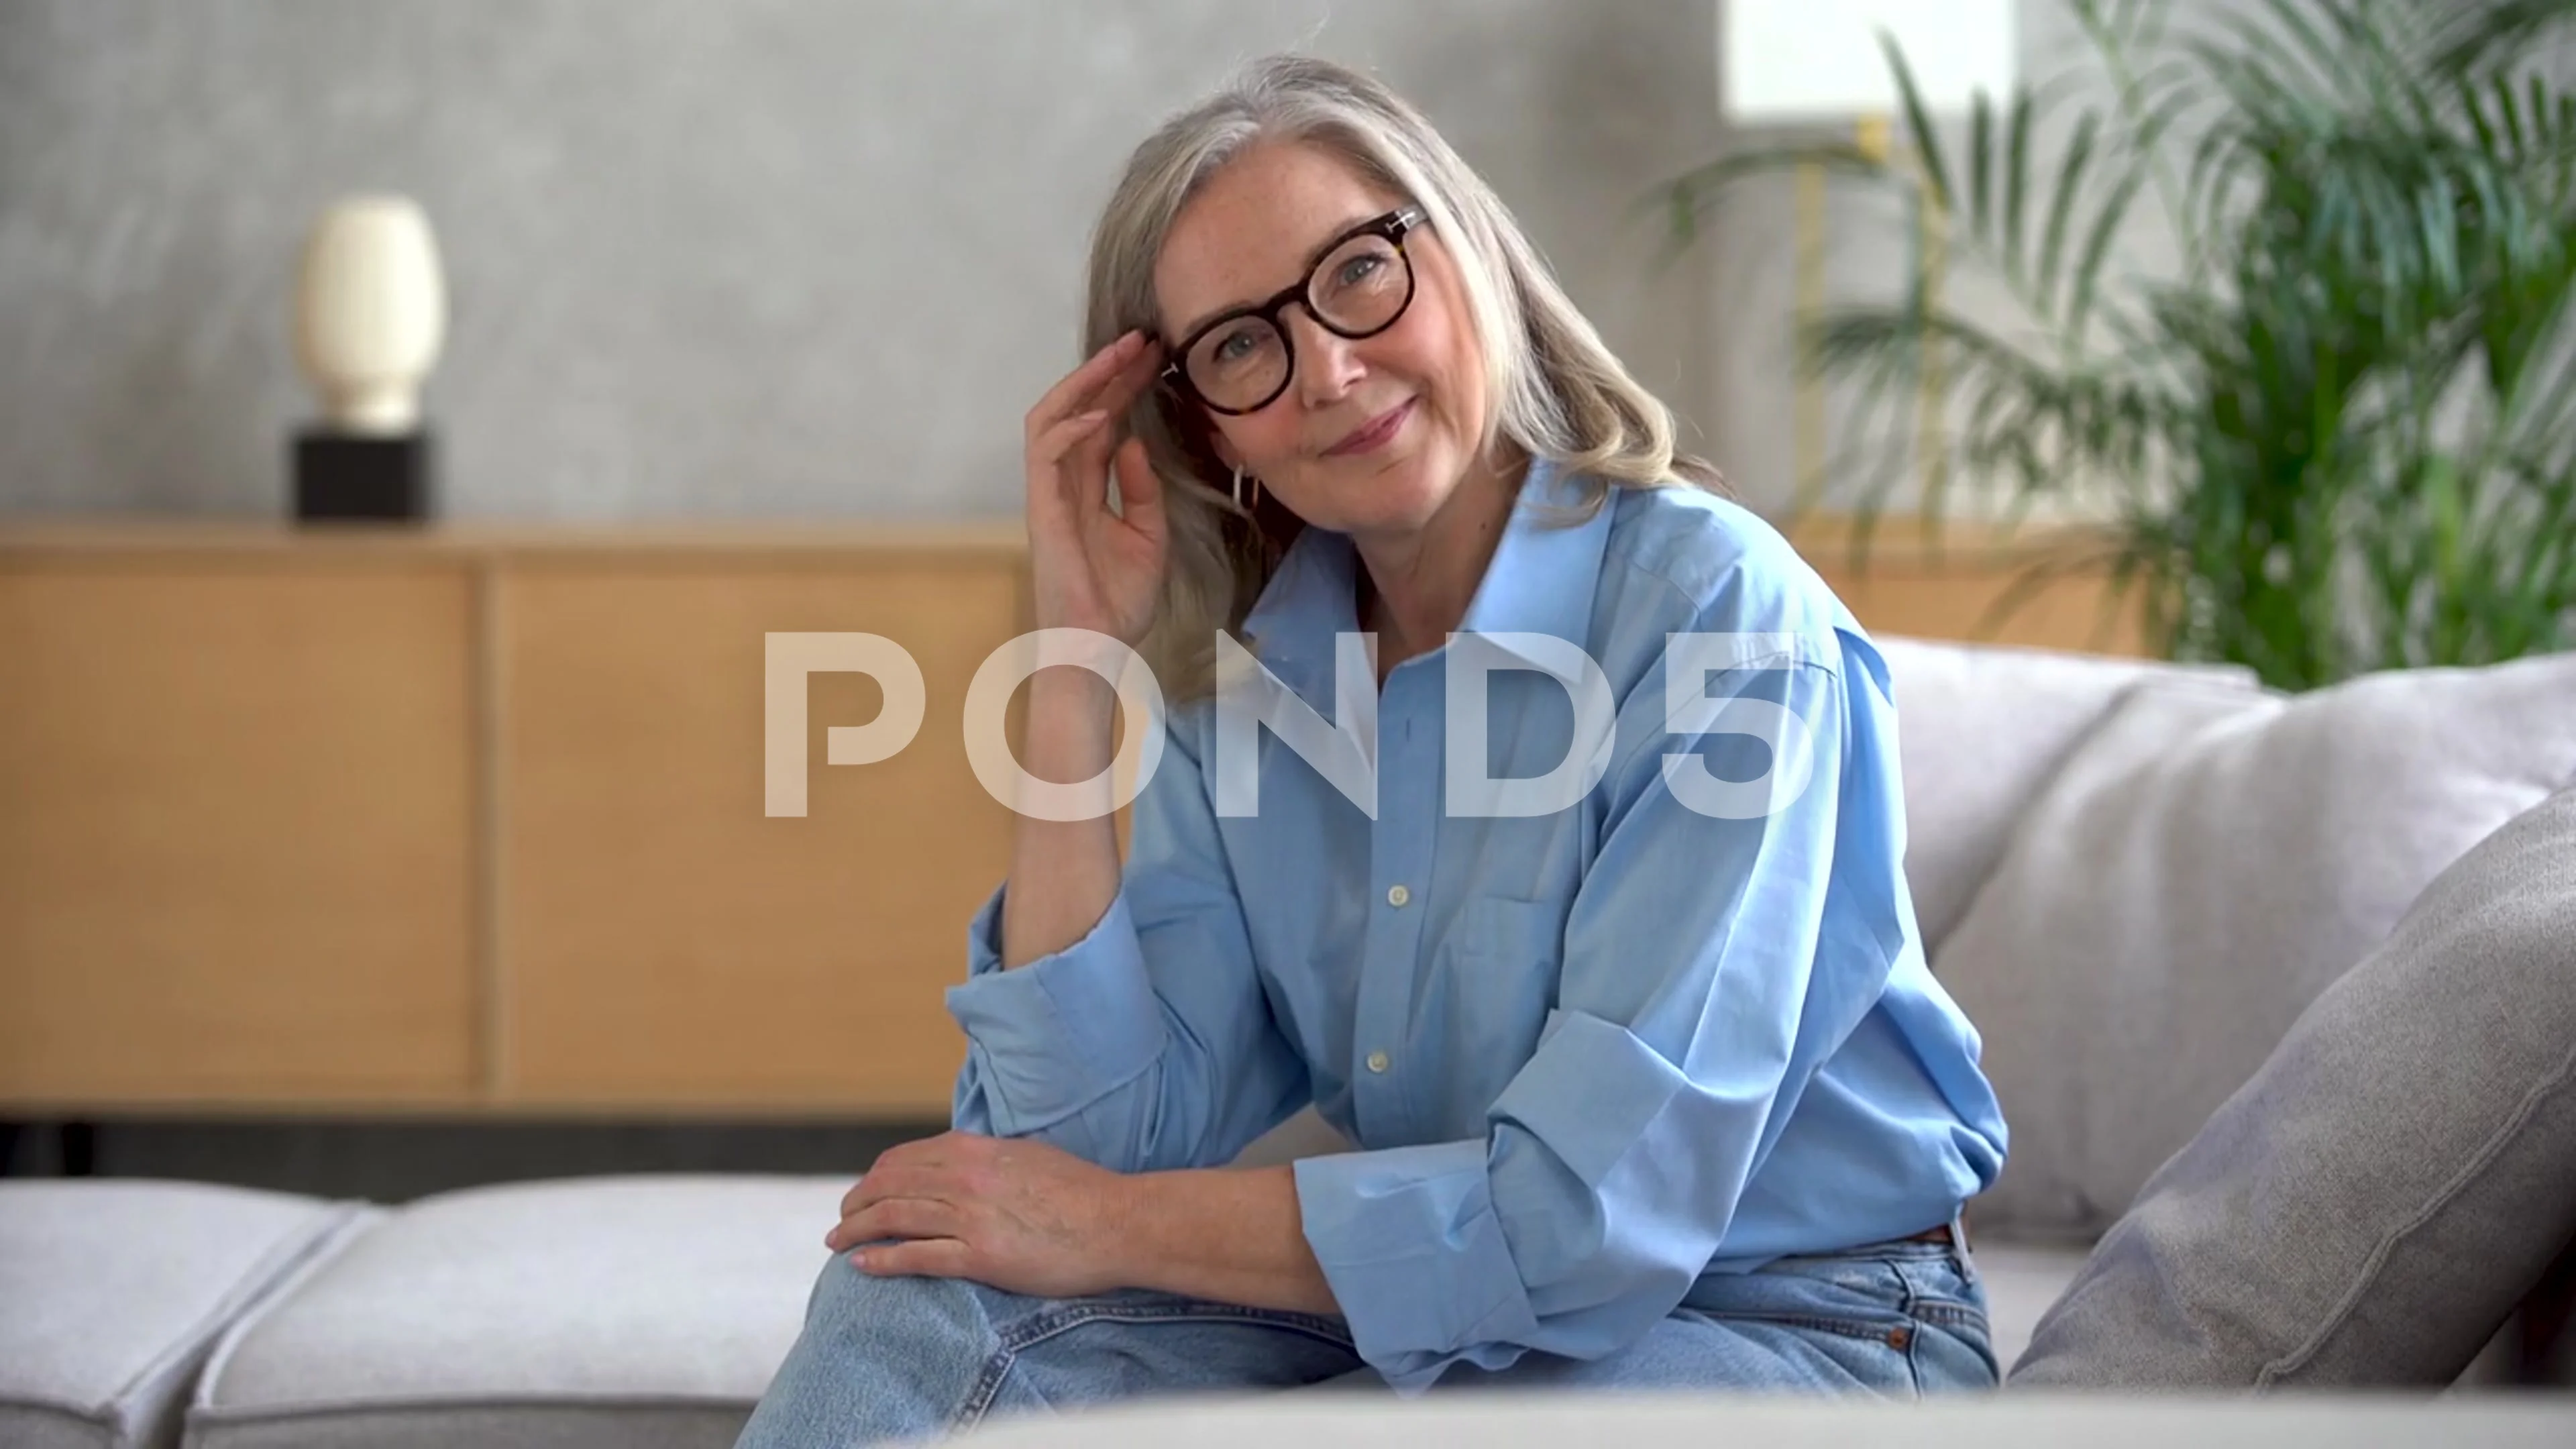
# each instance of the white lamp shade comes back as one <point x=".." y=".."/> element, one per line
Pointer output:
<point x="1785" y="62"/>
<point x="371" y="312"/>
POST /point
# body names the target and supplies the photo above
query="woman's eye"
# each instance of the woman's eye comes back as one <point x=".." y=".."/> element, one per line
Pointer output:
<point x="1237" y="346"/>
<point x="1359" y="269"/>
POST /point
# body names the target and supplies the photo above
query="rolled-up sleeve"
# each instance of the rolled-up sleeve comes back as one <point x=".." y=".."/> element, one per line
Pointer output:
<point x="1709" y="966"/>
<point x="1058" y="1034"/>
<point x="1148" y="1044"/>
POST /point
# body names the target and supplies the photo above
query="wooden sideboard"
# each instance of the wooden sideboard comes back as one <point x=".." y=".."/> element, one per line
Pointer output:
<point x="1945" y="583"/>
<point x="448" y="820"/>
<point x="470" y="821"/>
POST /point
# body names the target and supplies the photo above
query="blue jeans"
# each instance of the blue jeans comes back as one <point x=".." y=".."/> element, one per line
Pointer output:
<point x="892" y="1359"/>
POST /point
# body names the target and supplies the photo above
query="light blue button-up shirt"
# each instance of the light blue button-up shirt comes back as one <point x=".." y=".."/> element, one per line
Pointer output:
<point x="1589" y="1055"/>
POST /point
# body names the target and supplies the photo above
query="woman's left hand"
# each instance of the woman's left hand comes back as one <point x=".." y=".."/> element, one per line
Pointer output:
<point x="1017" y="1215"/>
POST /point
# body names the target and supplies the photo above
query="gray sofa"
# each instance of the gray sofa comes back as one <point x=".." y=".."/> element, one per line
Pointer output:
<point x="2191" y="918"/>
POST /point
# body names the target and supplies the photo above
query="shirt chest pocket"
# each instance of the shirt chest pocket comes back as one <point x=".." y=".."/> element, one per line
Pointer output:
<point x="1490" y="988"/>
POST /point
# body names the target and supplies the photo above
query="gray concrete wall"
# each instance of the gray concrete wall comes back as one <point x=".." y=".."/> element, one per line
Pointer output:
<point x="784" y="257"/>
<point x="758" y="257"/>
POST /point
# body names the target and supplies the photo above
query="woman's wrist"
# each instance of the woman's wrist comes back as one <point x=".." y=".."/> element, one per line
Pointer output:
<point x="1124" y="1224"/>
<point x="1225" y="1235"/>
<point x="1072" y="724"/>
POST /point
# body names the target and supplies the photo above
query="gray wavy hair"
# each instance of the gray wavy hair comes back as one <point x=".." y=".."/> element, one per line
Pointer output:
<point x="1562" y="395"/>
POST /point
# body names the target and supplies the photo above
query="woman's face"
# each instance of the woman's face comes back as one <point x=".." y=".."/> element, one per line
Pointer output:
<point x="1323" y="447"/>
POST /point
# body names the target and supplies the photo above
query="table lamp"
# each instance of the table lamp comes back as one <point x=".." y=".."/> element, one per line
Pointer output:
<point x="371" y="313"/>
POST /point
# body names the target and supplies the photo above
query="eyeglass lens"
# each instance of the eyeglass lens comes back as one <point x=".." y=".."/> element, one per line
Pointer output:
<point x="1357" y="290"/>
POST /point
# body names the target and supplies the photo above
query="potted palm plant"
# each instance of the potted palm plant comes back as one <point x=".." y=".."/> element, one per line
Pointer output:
<point x="2340" y="434"/>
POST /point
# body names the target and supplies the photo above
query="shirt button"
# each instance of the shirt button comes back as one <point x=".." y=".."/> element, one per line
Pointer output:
<point x="1377" y="1060"/>
<point x="1397" y="895"/>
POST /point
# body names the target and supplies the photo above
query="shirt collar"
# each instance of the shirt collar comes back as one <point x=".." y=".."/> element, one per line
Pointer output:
<point x="1541" y="580"/>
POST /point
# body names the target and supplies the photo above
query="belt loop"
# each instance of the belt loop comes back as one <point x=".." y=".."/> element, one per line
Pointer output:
<point x="1959" y="1251"/>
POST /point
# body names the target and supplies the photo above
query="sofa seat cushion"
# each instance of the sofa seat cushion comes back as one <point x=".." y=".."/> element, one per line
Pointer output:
<point x="2204" y="866"/>
<point x="635" y="1311"/>
<point x="113" y="1292"/>
<point x="2023" y="1281"/>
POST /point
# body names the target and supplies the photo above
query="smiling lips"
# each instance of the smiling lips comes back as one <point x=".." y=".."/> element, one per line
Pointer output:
<point x="1373" y="434"/>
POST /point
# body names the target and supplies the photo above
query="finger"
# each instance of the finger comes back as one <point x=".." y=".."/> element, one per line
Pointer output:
<point x="922" y="1257"/>
<point x="1083" y="471"/>
<point x="1140" y="489"/>
<point x="1131" y="381"/>
<point x="909" y="1178"/>
<point x="919" y="1168"/>
<point x="1070" y="394"/>
<point x="1117" y="389"/>
<point x="1050" y="447"/>
<point x="883" y="1178"/>
<point x="902" y="1154"/>
<point x="1056" y="464"/>
<point x="898" y="1217"/>
<point x="872" y="1183"/>
<point x="1116" y="397"/>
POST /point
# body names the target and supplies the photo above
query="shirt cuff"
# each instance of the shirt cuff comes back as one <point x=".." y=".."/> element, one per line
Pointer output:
<point x="1052" y="1037"/>
<point x="1408" y="1239"/>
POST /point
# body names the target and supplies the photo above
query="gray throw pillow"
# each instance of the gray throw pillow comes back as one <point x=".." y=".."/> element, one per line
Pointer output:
<point x="2394" y="1180"/>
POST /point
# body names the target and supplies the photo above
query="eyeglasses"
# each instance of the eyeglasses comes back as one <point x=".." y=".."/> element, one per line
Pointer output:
<point x="1241" y="362"/>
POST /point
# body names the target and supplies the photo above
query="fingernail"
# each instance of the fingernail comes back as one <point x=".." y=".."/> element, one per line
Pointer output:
<point x="859" y="1259"/>
<point x="1095" y="415"/>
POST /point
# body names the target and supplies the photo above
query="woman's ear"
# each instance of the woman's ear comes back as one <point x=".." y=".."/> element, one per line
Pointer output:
<point x="1198" y="436"/>
<point x="1217" y="447"/>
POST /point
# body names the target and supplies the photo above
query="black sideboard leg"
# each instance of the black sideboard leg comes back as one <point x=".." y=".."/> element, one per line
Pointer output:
<point x="79" y="1148"/>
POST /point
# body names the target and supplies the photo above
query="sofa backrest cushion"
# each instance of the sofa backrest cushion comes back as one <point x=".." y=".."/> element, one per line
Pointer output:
<point x="1980" y="729"/>
<point x="2206" y="863"/>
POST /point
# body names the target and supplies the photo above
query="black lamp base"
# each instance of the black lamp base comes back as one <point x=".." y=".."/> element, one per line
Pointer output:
<point x="356" y="477"/>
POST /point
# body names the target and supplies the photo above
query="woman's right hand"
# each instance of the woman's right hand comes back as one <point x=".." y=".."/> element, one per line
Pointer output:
<point x="1092" y="568"/>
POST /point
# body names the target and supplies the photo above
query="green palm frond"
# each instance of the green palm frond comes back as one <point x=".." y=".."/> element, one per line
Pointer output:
<point x="2342" y="430"/>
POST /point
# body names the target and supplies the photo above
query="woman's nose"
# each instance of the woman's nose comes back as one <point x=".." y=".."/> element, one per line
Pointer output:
<point x="1327" y="362"/>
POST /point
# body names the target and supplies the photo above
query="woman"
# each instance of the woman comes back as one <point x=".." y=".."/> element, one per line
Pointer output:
<point x="1652" y="1084"/>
